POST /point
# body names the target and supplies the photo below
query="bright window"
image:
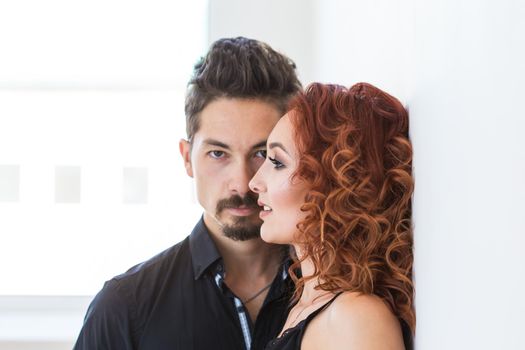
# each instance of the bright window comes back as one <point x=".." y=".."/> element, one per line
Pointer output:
<point x="91" y="112"/>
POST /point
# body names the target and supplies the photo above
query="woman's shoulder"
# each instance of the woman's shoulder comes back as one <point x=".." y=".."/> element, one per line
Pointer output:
<point x="364" y="321"/>
<point x="352" y="306"/>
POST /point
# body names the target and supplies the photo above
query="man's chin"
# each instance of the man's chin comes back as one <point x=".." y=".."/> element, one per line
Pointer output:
<point x="241" y="234"/>
<point x="242" y="228"/>
<point x="235" y="220"/>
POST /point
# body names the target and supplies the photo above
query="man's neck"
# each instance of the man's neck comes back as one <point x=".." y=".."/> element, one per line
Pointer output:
<point x="250" y="267"/>
<point x="246" y="260"/>
<point x="251" y="260"/>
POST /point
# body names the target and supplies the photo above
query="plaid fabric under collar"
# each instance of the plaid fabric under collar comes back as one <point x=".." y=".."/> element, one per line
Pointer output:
<point x="242" y="313"/>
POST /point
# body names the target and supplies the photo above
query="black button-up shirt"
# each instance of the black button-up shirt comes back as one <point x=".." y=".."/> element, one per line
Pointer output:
<point x="173" y="301"/>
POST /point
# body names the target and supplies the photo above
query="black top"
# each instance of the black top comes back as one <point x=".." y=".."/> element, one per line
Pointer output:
<point x="292" y="337"/>
<point x="173" y="301"/>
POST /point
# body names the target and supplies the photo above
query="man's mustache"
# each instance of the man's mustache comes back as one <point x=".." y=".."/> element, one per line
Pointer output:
<point x="248" y="201"/>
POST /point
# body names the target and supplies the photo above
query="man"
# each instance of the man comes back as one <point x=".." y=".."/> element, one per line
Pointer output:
<point x="222" y="287"/>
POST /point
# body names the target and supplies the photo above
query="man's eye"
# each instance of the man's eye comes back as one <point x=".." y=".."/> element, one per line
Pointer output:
<point x="216" y="154"/>
<point x="276" y="164"/>
<point x="261" y="154"/>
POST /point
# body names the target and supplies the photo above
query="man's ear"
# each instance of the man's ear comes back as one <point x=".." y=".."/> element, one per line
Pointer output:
<point x="185" y="152"/>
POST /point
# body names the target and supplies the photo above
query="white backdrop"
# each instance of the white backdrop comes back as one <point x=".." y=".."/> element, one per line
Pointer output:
<point x="467" y="129"/>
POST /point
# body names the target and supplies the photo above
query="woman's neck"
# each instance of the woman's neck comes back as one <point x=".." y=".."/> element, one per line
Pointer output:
<point x="310" y="292"/>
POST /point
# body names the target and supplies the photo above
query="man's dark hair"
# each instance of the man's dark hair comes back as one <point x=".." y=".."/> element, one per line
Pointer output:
<point x="239" y="68"/>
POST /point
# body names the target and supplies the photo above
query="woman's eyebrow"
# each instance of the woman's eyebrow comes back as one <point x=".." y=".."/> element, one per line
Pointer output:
<point x="278" y="144"/>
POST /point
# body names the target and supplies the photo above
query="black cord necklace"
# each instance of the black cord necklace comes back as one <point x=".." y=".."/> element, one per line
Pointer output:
<point x="257" y="294"/>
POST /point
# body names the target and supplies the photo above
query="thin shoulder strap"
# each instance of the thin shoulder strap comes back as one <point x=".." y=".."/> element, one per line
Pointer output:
<point x="324" y="306"/>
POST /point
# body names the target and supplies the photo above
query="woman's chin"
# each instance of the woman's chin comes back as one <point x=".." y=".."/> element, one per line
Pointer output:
<point x="269" y="236"/>
<point x="266" y="237"/>
<point x="273" y="236"/>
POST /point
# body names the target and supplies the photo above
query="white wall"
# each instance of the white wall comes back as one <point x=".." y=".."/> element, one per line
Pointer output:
<point x="41" y="322"/>
<point x="368" y="41"/>
<point x="288" y="26"/>
<point x="459" y="68"/>
<point x="467" y="125"/>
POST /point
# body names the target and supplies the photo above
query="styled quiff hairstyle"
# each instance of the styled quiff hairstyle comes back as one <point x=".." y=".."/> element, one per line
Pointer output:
<point x="239" y="68"/>
<point x="356" y="157"/>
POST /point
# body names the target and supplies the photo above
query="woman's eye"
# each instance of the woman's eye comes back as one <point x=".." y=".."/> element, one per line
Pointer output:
<point x="276" y="164"/>
<point x="216" y="154"/>
<point x="261" y="154"/>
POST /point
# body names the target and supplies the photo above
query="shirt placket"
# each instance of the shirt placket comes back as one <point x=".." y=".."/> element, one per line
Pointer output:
<point x="239" y="308"/>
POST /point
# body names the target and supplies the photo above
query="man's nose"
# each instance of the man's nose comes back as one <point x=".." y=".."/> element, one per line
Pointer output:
<point x="240" y="178"/>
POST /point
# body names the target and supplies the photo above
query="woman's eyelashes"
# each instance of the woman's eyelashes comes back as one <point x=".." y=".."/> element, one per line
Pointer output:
<point x="276" y="163"/>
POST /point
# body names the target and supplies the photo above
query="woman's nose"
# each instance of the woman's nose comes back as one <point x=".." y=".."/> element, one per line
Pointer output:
<point x="255" y="183"/>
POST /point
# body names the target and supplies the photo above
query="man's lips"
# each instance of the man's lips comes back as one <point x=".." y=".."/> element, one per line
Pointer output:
<point x="243" y="210"/>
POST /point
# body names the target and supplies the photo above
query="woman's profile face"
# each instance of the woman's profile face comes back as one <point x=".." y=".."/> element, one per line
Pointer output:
<point x="279" y="194"/>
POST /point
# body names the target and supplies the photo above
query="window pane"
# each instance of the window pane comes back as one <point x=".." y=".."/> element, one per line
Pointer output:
<point x="86" y="146"/>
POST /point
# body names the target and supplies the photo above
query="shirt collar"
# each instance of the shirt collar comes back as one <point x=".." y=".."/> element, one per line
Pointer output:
<point x="203" y="250"/>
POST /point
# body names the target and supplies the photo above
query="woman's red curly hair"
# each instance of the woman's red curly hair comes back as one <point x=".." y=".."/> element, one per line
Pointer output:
<point x="357" y="159"/>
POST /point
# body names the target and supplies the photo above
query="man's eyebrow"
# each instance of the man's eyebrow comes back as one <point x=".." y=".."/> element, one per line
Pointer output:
<point x="278" y="144"/>
<point x="213" y="142"/>
<point x="261" y="144"/>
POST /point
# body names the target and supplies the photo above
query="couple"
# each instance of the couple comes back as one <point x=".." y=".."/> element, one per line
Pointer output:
<point x="305" y="241"/>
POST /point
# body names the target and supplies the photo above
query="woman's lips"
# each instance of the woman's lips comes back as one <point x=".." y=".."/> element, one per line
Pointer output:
<point x="265" y="212"/>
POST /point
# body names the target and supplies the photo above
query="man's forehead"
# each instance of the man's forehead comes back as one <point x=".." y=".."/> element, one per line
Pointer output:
<point x="231" y="138"/>
<point x="236" y="125"/>
<point x="253" y="118"/>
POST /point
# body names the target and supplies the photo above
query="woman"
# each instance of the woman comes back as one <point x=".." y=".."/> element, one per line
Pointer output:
<point x="336" y="185"/>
